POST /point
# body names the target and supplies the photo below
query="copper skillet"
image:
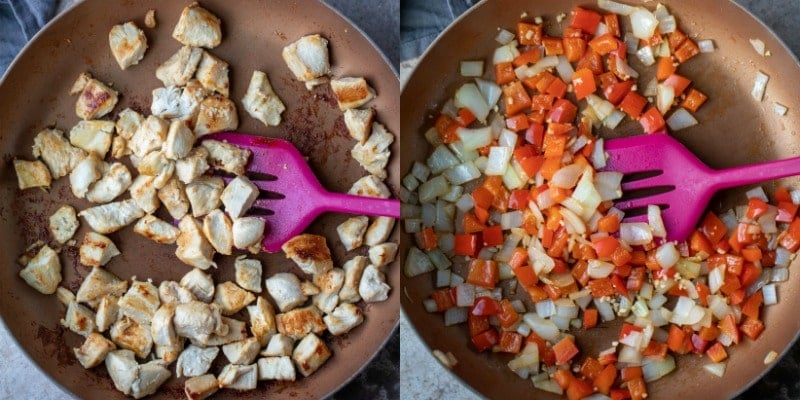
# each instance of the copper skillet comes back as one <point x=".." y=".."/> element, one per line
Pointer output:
<point x="733" y="130"/>
<point x="34" y="94"/>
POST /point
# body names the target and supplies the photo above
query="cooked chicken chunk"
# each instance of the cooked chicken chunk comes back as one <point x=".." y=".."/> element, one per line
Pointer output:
<point x="248" y="274"/>
<point x="237" y="330"/>
<point x="309" y="288"/>
<point x="200" y="284"/>
<point x="310" y="354"/>
<point x="351" y="92"/>
<point x="193" y="248"/>
<point x="32" y="174"/>
<point x="64" y="296"/>
<point x="173" y="196"/>
<point x="200" y="387"/>
<point x="261" y="101"/>
<point x="192" y="166"/>
<point x="180" y="140"/>
<point x="239" y="195"/>
<point x="353" y="269"/>
<point x="111" y="217"/>
<point x="99" y="284"/>
<point x="204" y="194"/>
<point x="119" y="147"/>
<point x="114" y="182"/>
<point x="128" y="122"/>
<point x="238" y="377"/>
<point x="330" y="281"/>
<point x="326" y="302"/>
<point x="198" y="27"/>
<point x="242" y="352"/>
<point x="227" y="157"/>
<point x="93" y="351"/>
<point x="351" y="232"/>
<point x="92" y="136"/>
<point x="195" y="361"/>
<point x="86" y="173"/>
<point x="55" y="150"/>
<point x="218" y="229"/>
<point x="156" y="230"/>
<point x="212" y="73"/>
<point x="373" y="287"/>
<point x="150" y="18"/>
<point x="167" y="343"/>
<point x="300" y="322"/>
<point x="359" y="123"/>
<point x="374" y="154"/>
<point x="140" y="302"/>
<point x="151" y="376"/>
<point x="80" y="83"/>
<point x="97" y="250"/>
<point x="64" y="223"/>
<point x="382" y="254"/>
<point x="166" y="102"/>
<point x="79" y="319"/>
<point x="198" y="321"/>
<point x="279" y="345"/>
<point x="343" y="319"/>
<point x="149" y="137"/>
<point x="123" y="369"/>
<point x="370" y="186"/>
<point x="231" y="298"/>
<point x="171" y="292"/>
<point x="379" y="231"/>
<point x="43" y="272"/>
<point x="95" y="100"/>
<point x="307" y="58"/>
<point x="107" y="312"/>
<point x="248" y="233"/>
<point x="309" y="252"/>
<point x="143" y="190"/>
<point x="180" y="67"/>
<point x="216" y="114"/>
<point x="262" y="320"/>
<point x="285" y="289"/>
<point x="128" y="44"/>
<point x="276" y="368"/>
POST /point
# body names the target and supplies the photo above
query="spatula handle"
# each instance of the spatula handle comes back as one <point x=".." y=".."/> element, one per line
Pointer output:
<point x="372" y="206"/>
<point x="755" y="173"/>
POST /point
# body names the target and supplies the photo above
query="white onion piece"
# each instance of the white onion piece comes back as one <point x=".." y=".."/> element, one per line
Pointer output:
<point x="465" y="202"/>
<point x="491" y="91"/>
<point x="602" y="108"/>
<point x="410" y="182"/>
<point x="598" y="157"/>
<point x="499" y="157"/>
<point x="511" y="219"/>
<point x="783" y="257"/>
<point x="767" y="221"/>
<point x="504" y="54"/>
<point x="508" y="139"/>
<point x="643" y="23"/>
<point x="417" y="263"/>
<point x="541" y="262"/>
<point x="442" y="278"/>
<point x="716" y="369"/>
<point x="651" y="89"/>
<point x="660" y="12"/>
<point x="574" y="223"/>
<point x="586" y="194"/>
<point x="613" y="119"/>
<point x="433" y="137"/>
<point x="667" y="25"/>
<point x="545" y="308"/>
<point x="779" y="109"/>
<point x="471" y="68"/>
<point x="450" y="109"/>
<point x="605" y="309"/>
<point x="430" y="305"/>
<point x="602" y="29"/>
<point x="758" y="46"/>
<point x="599" y="269"/>
<point x="757" y="192"/>
<point x="541" y="65"/>
<point x="470" y="97"/>
<point x="504" y="37"/>
<point x="716" y="278"/>
<point x="665" y="96"/>
<point x="454" y="194"/>
<point x="462" y="173"/>
<point x="609" y="185"/>
<point x="635" y="233"/>
<point x="657" y="301"/>
<point x="770" y="294"/>
<point x="615" y="7"/>
<point x="630" y="355"/>
<point x="655" y="221"/>
<point x="455" y="316"/>
<point x="578" y="144"/>
<point x="440" y="260"/>
<point x="524" y="330"/>
<point x="706" y="45"/>
<point x="472" y="139"/>
<point x="442" y="158"/>
<point x="632" y="339"/>
<point x="759" y="86"/>
<point x="547" y="330"/>
<point x="420" y="171"/>
<point x="646" y="56"/>
<point x="662" y="50"/>
<point x="567" y="177"/>
<point x="654" y="368"/>
<point x="681" y="119"/>
<point x="544" y="200"/>
<point x="564" y="69"/>
<point x="509" y="245"/>
<point x="412" y="225"/>
<point x="433" y="188"/>
<point x="446" y="242"/>
<point x="631" y="43"/>
<point x="718" y="306"/>
<point x="667" y="255"/>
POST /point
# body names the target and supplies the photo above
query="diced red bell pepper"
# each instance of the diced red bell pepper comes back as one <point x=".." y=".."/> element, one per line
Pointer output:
<point x="616" y="92"/>
<point x="752" y="328"/>
<point x="483" y="273"/>
<point x="529" y="34"/>
<point x="486" y="340"/>
<point x="579" y="388"/>
<point x="444" y="299"/>
<point x="652" y="120"/>
<point x="504" y="73"/>
<point x="713" y="227"/>
<point x="485" y="306"/>
<point x="585" y="20"/>
<point x="508" y="316"/>
<point x="515" y="98"/>
<point x="583" y="83"/>
<point x="510" y="342"/>
<point x="492" y="236"/>
<point x="477" y="324"/>
<point x="563" y="111"/>
<point x="678" y="83"/>
<point x="717" y="352"/>
<point x="466" y="244"/>
<point x="565" y="350"/>
<point x="786" y="211"/>
<point x="791" y="239"/>
<point x="633" y="104"/>
<point x="604" y="44"/>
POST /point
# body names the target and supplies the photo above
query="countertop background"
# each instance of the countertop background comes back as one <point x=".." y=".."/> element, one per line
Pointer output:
<point x="423" y="378"/>
<point x="21" y="379"/>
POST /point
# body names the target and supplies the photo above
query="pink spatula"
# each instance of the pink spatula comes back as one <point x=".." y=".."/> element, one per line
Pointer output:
<point x="685" y="182"/>
<point x="290" y="193"/>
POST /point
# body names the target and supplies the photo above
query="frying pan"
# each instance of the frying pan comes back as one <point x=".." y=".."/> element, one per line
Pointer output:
<point x="34" y="95"/>
<point x="733" y="130"/>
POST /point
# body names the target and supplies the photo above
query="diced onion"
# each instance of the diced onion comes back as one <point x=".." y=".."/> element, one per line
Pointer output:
<point x="472" y="139"/>
<point x="631" y="43"/>
<point x="667" y="255"/>
<point x="446" y="242"/>
<point x="681" y="119"/>
<point x="716" y="369"/>
<point x="546" y="329"/>
<point x="441" y="159"/>
<point x="646" y="56"/>
<point x="535" y="69"/>
<point x="758" y="193"/>
<point x="660" y="12"/>
<point x="665" y="96"/>
<point x="491" y="91"/>
<point x="598" y="154"/>
<point x="410" y="182"/>
<point x="759" y="86"/>
<point x="574" y="223"/>
<point x="667" y="25"/>
<point x="505" y="54"/>
<point x="499" y="157"/>
<point x="433" y="188"/>
<point x="504" y="37"/>
<point x="656" y="222"/>
<point x="567" y="176"/>
<point x="716" y="277"/>
<point x="455" y="316"/>
<point x="643" y="23"/>
<point x="462" y="173"/>
<point x="602" y="29"/>
<point x="442" y="278"/>
<point x="779" y="109"/>
<point x="599" y="269"/>
<point x="604" y="309"/>
<point x="635" y="233"/>
<point x="782" y="257"/>
<point x="471" y="68"/>
<point x="417" y="263"/>
<point x="430" y="305"/>
<point x="564" y="69"/>
<point x="706" y="45"/>
<point x="758" y="46"/>
<point x="615" y="7"/>
<point x="508" y="139"/>
<point x="602" y="108"/>
<point x="465" y="295"/>
<point x="511" y="219"/>
<point x="770" y="357"/>
<point x="654" y="368"/>
<point x="470" y="97"/>
<point x="651" y="89"/>
<point x="439" y="259"/>
<point x="613" y="119"/>
<point x="770" y="294"/>
<point x="629" y="355"/>
<point x="626" y="70"/>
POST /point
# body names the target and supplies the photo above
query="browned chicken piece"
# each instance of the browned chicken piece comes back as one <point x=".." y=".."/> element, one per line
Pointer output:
<point x="351" y="92"/>
<point x="95" y="99"/>
<point x="93" y="351"/>
<point x="307" y="58"/>
<point x="300" y="322"/>
<point x="359" y="123"/>
<point x="231" y="298"/>
<point x="310" y="253"/>
<point x="97" y="250"/>
<point x="310" y="354"/>
<point x="198" y="27"/>
<point x="128" y="44"/>
<point x="43" y="272"/>
<point x="32" y="174"/>
<point x="130" y="335"/>
<point x="200" y="387"/>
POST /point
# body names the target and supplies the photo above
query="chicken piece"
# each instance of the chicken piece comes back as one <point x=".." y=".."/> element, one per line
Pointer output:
<point x="195" y="360"/>
<point x="171" y="292"/>
<point x="231" y="298"/>
<point x="55" y="150"/>
<point x="128" y="44"/>
<point x="359" y="123"/>
<point x="248" y="273"/>
<point x="140" y="302"/>
<point x="204" y="194"/>
<point x="166" y="102"/>
<point x="242" y="352"/>
<point x="43" y="272"/>
<point x="379" y="231"/>
<point x="279" y="345"/>
<point x="373" y="287"/>
<point x="238" y="377"/>
<point x="111" y="217"/>
<point x="285" y="289"/>
<point x="374" y="154"/>
<point x="351" y="92"/>
<point x="180" y="67"/>
<point x="261" y="101"/>
<point x="218" y="229"/>
<point x="309" y="288"/>
<point x="119" y="147"/>
<point x="32" y="174"/>
<point x="198" y="321"/>
<point x="95" y="100"/>
<point x="351" y="232"/>
<point x="80" y="83"/>
<point x="92" y="136"/>
<point x="114" y="182"/>
<point x="216" y="114"/>
<point x="192" y="166"/>
<point x="326" y="302"/>
<point x="248" y="232"/>
<point x="93" y="351"/>
<point x="123" y="369"/>
<point x="212" y="73"/>
<point x="156" y="230"/>
<point x="309" y="252"/>
<point x="310" y="354"/>
<point x="239" y="195"/>
<point x="128" y="122"/>
<point x="149" y="137"/>
<point x="151" y="376"/>
<point x="276" y="368"/>
<point x="237" y="330"/>
<point x="63" y="223"/>
<point x="343" y="319"/>
<point x="382" y="254"/>
<point x="200" y="284"/>
<point x="173" y="196"/>
<point x="353" y="269"/>
<point x="193" y="248"/>
<point x="86" y="173"/>
<point x="64" y="296"/>
<point x="79" y="319"/>
<point x="307" y="58"/>
<point x="300" y="322"/>
<point x="97" y="250"/>
<point x="262" y="320"/>
<point x="227" y="157"/>
<point x="107" y="313"/>
<point x="167" y="344"/>
<point x="200" y="387"/>
<point x="198" y="27"/>
<point x="150" y="18"/>
<point x="144" y="192"/>
<point x="370" y="186"/>
<point x="180" y="140"/>
<point x="157" y="165"/>
<point x="330" y="281"/>
<point x="99" y="284"/>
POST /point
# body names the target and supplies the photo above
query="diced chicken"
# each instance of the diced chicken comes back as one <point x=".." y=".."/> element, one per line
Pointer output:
<point x="237" y="330"/>
<point x="64" y="296"/>
<point x="326" y="302"/>
<point x="95" y="100"/>
<point x="330" y="281"/>
<point x="204" y="194"/>
<point x="373" y="287"/>
<point x="351" y="92"/>
<point x="80" y="83"/>
<point x="32" y="174"/>
<point x="343" y="319"/>
<point x="128" y="44"/>
<point x="55" y="150"/>
<point x="200" y="284"/>
<point x="149" y="137"/>
<point x="140" y="302"/>
<point x="200" y="387"/>
<point x="114" y="182"/>
<point x="309" y="288"/>
<point x="279" y="345"/>
<point x="157" y="230"/>
<point x="216" y="114"/>
<point x="299" y="322"/>
<point x="97" y="250"/>
<point x="167" y="344"/>
<point x="379" y="231"/>
<point x="198" y="27"/>
<point x="173" y="196"/>
<point x="178" y="104"/>
<point x="171" y="292"/>
<point x="193" y="248"/>
<point x="248" y="273"/>
<point x="238" y="377"/>
<point x="150" y="18"/>
<point x="64" y="223"/>
<point x="151" y="376"/>
<point x="248" y="232"/>
<point x="87" y="172"/>
<point x="180" y="67"/>
<point x="285" y="289"/>
<point x="231" y="298"/>
<point x="276" y="368"/>
<point x="307" y="58"/>
<point x="261" y="101"/>
<point x="111" y="217"/>
<point x="262" y="320"/>
<point x="309" y="252"/>
<point x="79" y="319"/>
<point x="353" y="269"/>
<point x="123" y="369"/>
<point x="107" y="313"/>
<point x="92" y="136"/>
<point x="374" y="154"/>
<point x="212" y="73"/>
<point x="227" y="157"/>
<point x="128" y="122"/>
<point x="43" y="272"/>
<point x="382" y="254"/>
<point x="143" y="190"/>
<point x="180" y="140"/>
<point x="157" y="165"/>
<point x="218" y="229"/>
<point x="93" y="351"/>
<point x="192" y="166"/>
<point x="242" y="352"/>
<point x="198" y="321"/>
<point x="310" y="354"/>
<point x="99" y="284"/>
<point x="359" y="123"/>
<point x="351" y="232"/>
<point x="239" y="195"/>
<point x="119" y="147"/>
<point x="310" y="85"/>
<point x="370" y="186"/>
<point x="195" y="360"/>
